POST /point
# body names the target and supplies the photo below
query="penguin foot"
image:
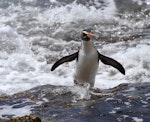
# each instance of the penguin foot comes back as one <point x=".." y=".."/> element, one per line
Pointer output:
<point x="96" y="90"/>
<point x="83" y="84"/>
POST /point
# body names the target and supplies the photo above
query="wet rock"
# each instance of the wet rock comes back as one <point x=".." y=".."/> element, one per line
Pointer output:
<point x="128" y="5"/>
<point x="30" y="118"/>
<point x="126" y="102"/>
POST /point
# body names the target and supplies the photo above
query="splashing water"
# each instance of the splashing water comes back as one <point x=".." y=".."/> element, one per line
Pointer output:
<point x="34" y="32"/>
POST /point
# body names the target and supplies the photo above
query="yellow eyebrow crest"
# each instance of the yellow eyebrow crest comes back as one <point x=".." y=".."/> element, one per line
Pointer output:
<point x="85" y="32"/>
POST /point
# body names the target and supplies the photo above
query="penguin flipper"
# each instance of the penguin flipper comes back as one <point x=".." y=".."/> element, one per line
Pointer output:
<point x="109" y="61"/>
<point x="65" y="59"/>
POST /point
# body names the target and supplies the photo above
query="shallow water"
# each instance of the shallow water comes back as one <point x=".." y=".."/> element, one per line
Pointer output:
<point x="34" y="32"/>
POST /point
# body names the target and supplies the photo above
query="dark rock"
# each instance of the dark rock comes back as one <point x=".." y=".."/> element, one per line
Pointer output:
<point x="126" y="102"/>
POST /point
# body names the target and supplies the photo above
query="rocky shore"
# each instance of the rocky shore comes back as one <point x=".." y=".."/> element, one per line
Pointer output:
<point x="126" y="102"/>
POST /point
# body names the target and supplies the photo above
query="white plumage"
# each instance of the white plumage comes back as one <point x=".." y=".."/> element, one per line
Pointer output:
<point x="87" y="64"/>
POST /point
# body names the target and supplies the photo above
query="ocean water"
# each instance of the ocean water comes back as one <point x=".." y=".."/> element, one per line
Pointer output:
<point x="36" y="33"/>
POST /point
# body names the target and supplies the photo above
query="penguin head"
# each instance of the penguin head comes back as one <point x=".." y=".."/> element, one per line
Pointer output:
<point x="86" y="35"/>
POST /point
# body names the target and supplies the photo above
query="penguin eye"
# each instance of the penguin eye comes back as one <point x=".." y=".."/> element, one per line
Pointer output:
<point x="84" y="35"/>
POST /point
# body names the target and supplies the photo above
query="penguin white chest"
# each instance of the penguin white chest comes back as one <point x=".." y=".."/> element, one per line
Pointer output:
<point x="86" y="67"/>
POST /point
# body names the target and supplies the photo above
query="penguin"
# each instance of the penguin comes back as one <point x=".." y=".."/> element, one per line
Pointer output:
<point x="87" y="60"/>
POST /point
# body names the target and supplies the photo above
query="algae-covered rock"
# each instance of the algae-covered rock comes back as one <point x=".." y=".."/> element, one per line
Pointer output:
<point x="27" y="118"/>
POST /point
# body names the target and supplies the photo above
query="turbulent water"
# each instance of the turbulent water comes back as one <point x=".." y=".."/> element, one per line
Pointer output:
<point x="36" y="33"/>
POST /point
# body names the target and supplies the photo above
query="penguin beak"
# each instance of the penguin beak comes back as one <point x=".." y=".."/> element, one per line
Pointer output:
<point x="90" y="35"/>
